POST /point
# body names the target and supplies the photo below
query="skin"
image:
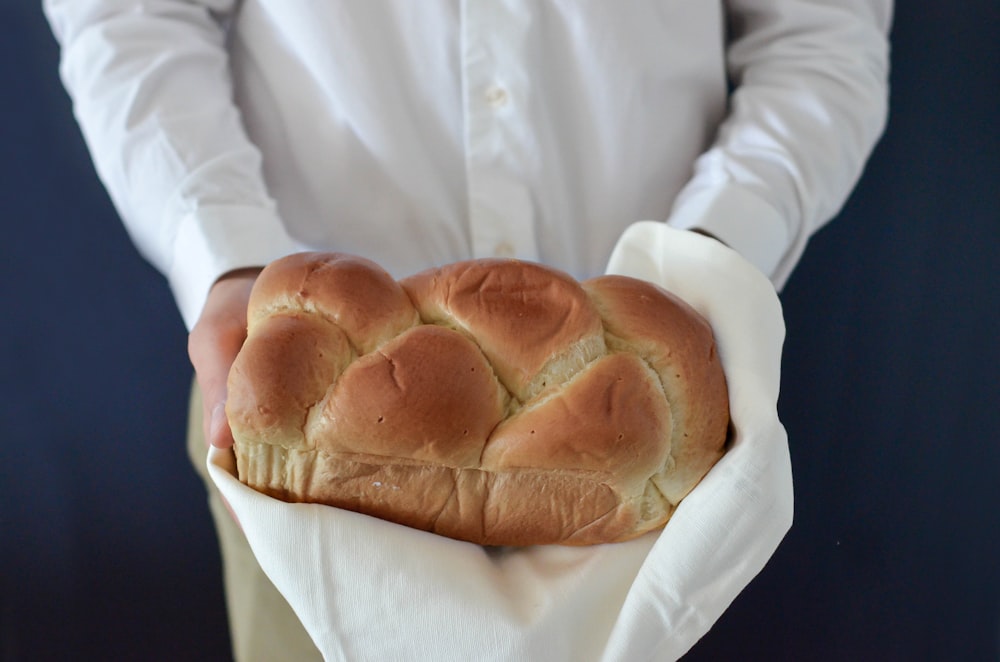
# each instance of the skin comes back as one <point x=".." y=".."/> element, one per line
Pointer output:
<point x="213" y="344"/>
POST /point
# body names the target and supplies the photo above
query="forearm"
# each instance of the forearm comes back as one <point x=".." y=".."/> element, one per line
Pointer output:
<point x="152" y="94"/>
<point x="809" y="103"/>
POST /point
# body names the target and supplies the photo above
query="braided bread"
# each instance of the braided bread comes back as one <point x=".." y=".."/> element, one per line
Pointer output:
<point x="494" y="401"/>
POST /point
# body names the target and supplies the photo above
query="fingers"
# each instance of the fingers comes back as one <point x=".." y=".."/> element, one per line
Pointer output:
<point x="219" y="433"/>
<point x="213" y="344"/>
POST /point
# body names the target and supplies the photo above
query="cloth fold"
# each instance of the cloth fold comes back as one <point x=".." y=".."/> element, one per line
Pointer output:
<point x="366" y="589"/>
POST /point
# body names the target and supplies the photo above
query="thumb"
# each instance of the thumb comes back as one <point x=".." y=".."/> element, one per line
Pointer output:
<point x="213" y="344"/>
<point x="218" y="432"/>
<point x="212" y="358"/>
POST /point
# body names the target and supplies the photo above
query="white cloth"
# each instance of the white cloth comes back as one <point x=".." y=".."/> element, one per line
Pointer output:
<point x="420" y="133"/>
<point x="366" y="589"/>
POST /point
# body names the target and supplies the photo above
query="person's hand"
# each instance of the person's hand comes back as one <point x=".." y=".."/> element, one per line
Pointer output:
<point x="213" y="344"/>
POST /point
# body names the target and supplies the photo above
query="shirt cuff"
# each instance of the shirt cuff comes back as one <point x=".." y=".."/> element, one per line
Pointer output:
<point x="213" y="241"/>
<point x="739" y="219"/>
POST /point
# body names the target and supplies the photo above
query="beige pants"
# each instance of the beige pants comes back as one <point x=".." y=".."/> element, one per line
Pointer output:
<point x="262" y="625"/>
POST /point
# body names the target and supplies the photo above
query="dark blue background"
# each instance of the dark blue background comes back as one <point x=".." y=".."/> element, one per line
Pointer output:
<point x="890" y="393"/>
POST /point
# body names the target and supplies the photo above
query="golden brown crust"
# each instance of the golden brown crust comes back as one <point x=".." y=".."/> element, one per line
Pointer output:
<point x="284" y="369"/>
<point x="677" y="343"/>
<point x="615" y="400"/>
<point x="354" y="293"/>
<point x="522" y="315"/>
<point x="494" y="401"/>
<point x="428" y="395"/>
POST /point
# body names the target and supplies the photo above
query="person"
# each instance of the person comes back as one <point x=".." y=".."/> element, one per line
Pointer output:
<point x="231" y="133"/>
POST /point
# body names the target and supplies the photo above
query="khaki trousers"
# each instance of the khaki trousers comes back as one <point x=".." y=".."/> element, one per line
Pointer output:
<point x="261" y="624"/>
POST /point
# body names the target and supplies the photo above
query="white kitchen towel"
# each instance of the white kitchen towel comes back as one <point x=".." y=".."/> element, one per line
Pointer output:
<point x="366" y="589"/>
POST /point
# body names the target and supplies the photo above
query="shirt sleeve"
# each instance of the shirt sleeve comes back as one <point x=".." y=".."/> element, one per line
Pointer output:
<point x="809" y="102"/>
<point x="151" y="91"/>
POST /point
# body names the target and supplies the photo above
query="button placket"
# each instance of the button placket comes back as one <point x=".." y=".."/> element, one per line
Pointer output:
<point x="501" y="214"/>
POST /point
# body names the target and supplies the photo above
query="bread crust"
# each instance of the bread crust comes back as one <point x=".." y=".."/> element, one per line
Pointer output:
<point x="499" y="402"/>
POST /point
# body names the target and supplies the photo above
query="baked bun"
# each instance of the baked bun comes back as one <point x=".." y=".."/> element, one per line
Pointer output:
<point x="494" y="401"/>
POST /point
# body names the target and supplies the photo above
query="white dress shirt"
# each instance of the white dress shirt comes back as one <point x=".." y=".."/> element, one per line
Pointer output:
<point x="417" y="133"/>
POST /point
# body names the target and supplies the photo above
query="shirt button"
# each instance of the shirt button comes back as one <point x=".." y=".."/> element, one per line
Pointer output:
<point x="503" y="249"/>
<point x="496" y="96"/>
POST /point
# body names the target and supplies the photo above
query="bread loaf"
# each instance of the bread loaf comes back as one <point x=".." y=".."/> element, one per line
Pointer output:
<point x="494" y="401"/>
